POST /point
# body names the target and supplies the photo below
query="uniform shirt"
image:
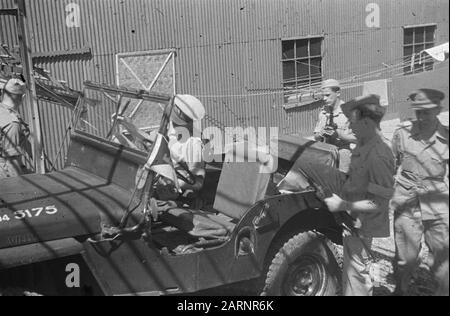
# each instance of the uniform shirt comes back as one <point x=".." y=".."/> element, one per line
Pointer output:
<point x="371" y="177"/>
<point x="339" y="118"/>
<point x="188" y="152"/>
<point x="13" y="133"/>
<point x="423" y="172"/>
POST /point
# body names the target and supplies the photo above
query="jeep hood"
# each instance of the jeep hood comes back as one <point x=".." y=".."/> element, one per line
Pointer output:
<point x="68" y="203"/>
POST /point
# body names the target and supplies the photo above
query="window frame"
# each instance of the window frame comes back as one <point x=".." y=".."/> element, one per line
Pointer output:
<point x="414" y="47"/>
<point x="312" y="78"/>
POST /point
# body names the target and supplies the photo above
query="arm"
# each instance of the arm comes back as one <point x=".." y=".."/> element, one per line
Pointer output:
<point x="320" y="125"/>
<point x="197" y="186"/>
<point x="337" y="204"/>
<point x="195" y="164"/>
<point x="397" y="148"/>
<point x="379" y="190"/>
<point x="11" y="145"/>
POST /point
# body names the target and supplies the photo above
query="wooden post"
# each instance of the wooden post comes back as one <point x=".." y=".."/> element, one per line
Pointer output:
<point x="31" y="96"/>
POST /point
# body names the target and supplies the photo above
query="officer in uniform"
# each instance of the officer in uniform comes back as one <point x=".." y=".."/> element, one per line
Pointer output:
<point x="13" y="131"/>
<point x="420" y="201"/>
<point x="364" y="193"/>
<point x="338" y="133"/>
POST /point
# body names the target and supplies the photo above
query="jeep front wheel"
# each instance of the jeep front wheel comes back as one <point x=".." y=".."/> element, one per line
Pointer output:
<point x="305" y="266"/>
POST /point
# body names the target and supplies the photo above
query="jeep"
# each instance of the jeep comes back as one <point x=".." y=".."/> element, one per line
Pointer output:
<point x="97" y="213"/>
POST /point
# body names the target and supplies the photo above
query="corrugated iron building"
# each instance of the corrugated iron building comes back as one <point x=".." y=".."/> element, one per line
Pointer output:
<point x="229" y="53"/>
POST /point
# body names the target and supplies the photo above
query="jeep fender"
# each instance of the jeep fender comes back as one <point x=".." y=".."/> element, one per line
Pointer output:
<point x="276" y="216"/>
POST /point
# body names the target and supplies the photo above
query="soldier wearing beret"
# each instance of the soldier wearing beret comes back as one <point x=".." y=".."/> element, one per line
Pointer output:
<point x="364" y="193"/>
<point x="332" y="125"/>
<point x="420" y="201"/>
<point x="13" y="131"/>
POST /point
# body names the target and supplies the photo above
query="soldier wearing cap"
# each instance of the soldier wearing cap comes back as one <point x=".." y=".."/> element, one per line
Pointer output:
<point x="420" y="201"/>
<point x="332" y="125"/>
<point x="364" y="193"/>
<point x="186" y="150"/>
<point x="13" y="131"/>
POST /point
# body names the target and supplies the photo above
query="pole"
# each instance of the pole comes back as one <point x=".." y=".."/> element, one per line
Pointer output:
<point x="31" y="96"/>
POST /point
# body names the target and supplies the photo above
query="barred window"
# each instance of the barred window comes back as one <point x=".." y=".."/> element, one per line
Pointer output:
<point x="417" y="39"/>
<point x="302" y="65"/>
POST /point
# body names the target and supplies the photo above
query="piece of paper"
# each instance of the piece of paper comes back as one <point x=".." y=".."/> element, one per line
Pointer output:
<point x="379" y="87"/>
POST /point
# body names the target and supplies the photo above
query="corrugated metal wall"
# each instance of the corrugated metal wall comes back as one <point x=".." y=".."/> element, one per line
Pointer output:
<point x="228" y="52"/>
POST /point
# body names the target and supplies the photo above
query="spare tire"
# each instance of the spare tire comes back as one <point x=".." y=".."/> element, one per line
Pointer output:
<point x="307" y="265"/>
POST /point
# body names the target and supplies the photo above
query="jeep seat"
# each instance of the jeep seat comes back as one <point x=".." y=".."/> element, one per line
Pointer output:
<point x="198" y="223"/>
<point x="242" y="183"/>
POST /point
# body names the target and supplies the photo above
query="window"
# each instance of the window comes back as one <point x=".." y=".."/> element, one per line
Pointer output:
<point x="149" y="71"/>
<point x="302" y="66"/>
<point x="416" y="39"/>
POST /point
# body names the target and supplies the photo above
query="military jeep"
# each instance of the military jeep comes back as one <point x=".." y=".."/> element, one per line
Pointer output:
<point x="247" y="231"/>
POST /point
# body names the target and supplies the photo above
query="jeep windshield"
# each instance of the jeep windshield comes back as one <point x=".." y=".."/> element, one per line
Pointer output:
<point x="139" y="114"/>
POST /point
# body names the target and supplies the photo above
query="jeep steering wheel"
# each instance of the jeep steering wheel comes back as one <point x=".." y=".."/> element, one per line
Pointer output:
<point x="190" y="179"/>
<point x="137" y="135"/>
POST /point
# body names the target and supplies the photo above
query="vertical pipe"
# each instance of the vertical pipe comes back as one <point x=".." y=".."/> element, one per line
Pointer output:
<point x="31" y="96"/>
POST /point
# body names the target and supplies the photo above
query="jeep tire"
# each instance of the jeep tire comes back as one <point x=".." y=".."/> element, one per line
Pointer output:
<point x="307" y="265"/>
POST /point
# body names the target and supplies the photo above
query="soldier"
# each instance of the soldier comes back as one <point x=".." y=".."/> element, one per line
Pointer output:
<point x="364" y="193"/>
<point x="420" y="201"/>
<point x="13" y="131"/>
<point x="333" y="125"/>
<point x="185" y="149"/>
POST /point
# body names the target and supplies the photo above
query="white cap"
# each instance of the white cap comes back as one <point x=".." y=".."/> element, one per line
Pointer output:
<point x="15" y="86"/>
<point x="190" y="106"/>
<point x="330" y="83"/>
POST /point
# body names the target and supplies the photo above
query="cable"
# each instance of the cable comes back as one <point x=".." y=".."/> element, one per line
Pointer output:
<point x="344" y="81"/>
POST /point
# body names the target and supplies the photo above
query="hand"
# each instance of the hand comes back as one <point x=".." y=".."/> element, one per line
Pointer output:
<point x="164" y="182"/>
<point x="166" y="190"/>
<point x="335" y="204"/>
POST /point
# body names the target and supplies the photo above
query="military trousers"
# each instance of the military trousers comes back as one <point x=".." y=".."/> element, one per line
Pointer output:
<point x="357" y="279"/>
<point x="420" y="212"/>
<point x="409" y="231"/>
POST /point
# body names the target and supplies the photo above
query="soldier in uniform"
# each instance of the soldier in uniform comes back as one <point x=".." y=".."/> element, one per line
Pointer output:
<point x="13" y="131"/>
<point x="338" y="132"/>
<point x="420" y="201"/>
<point x="186" y="150"/>
<point x="364" y="193"/>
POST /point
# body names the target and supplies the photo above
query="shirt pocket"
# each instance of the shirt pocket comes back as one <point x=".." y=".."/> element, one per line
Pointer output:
<point x="432" y="166"/>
